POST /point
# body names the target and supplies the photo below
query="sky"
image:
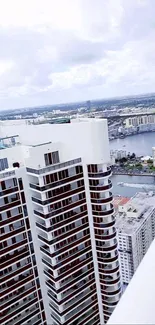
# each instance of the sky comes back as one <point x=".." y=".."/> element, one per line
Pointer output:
<point x="57" y="51"/>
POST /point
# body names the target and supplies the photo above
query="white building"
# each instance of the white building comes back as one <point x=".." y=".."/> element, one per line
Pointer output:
<point x="135" y="225"/>
<point x="139" y="120"/>
<point x="117" y="154"/>
<point x="68" y="195"/>
<point x="136" y="305"/>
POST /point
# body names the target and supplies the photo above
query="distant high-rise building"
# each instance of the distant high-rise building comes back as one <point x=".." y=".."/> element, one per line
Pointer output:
<point x="67" y="193"/>
<point x="135" y="225"/>
<point x="88" y="104"/>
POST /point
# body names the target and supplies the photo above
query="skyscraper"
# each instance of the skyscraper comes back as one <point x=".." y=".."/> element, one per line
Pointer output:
<point x="69" y="201"/>
<point x="20" y="294"/>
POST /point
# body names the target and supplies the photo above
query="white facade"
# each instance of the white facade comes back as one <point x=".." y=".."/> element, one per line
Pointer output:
<point x="136" y="305"/>
<point x="118" y="154"/>
<point x="135" y="225"/>
<point x="69" y="203"/>
<point x="139" y="120"/>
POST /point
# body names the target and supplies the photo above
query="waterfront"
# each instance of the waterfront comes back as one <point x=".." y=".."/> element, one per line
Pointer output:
<point x="140" y="144"/>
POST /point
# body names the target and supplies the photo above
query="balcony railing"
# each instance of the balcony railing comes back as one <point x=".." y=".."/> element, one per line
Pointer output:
<point x="105" y="212"/>
<point x="67" y="221"/>
<point x="16" y="272"/>
<point x="8" y="249"/>
<point x="11" y="220"/>
<point x="17" y="297"/>
<point x="108" y="280"/>
<point x="13" y="285"/>
<point x="17" y="310"/>
<point x="100" y="174"/>
<point x="102" y="201"/>
<point x="105" y="225"/>
<point x="10" y="205"/>
<point x="70" y="280"/>
<point x="105" y="237"/>
<point x="61" y="210"/>
<point x="105" y="248"/>
<point x="72" y="256"/>
<point x="13" y="233"/>
<point x="9" y="190"/>
<point x="107" y="260"/>
<point x="59" y="197"/>
<point x="111" y="293"/>
<point x="50" y="186"/>
<point x="7" y="260"/>
<point x="109" y="270"/>
<point x="53" y="167"/>
<point x="100" y="187"/>
<point x="64" y="236"/>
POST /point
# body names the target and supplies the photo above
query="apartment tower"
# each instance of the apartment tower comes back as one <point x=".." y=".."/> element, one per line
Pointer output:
<point x="69" y="199"/>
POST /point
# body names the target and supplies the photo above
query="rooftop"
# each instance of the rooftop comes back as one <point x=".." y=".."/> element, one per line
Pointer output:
<point x="120" y="200"/>
<point x="132" y="215"/>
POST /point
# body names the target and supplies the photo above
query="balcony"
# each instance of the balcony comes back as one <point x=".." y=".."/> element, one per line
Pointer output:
<point x="7" y="260"/>
<point x="8" y="249"/>
<point x="75" y="268"/>
<point x="107" y="260"/>
<point x="29" y="317"/>
<point x="10" y="190"/>
<point x="73" y="296"/>
<point x="74" y="217"/>
<point x="100" y="187"/>
<point x="100" y="174"/>
<point x="61" y="210"/>
<point x="10" y="205"/>
<point x="110" y="292"/>
<point x="11" y="220"/>
<point x="71" y="257"/>
<point x="69" y="281"/>
<point x="81" y="308"/>
<point x="105" y="212"/>
<point x="111" y="301"/>
<point x="13" y="285"/>
<point x="13" y="233"/>
<point x="108" y="280"/>
<point x="20" y="309"/>
<point x="64" y="236"/>
<point x="17" y="297"/>
<point x="105" y="225"/>
<point x="16" y="272"/>
<point x="53" y="167"/>
<point x="90" y="314"/>
<point x="106" y="248"/>
<point x="59" y="197"/>
<point x="50" y="186"/>
<point x="108" y="270"/>
<point x="105" y="237"/>
<point x="102" y="200"/>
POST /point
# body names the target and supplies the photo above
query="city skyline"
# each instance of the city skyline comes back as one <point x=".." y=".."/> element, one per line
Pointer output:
<point x="55" y="52"/>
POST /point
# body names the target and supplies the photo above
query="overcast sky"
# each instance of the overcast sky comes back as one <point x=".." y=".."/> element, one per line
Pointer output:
<point x="54" y="51"/>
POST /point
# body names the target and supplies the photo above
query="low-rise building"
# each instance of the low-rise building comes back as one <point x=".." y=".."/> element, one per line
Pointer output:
<point x="135" y="223"/>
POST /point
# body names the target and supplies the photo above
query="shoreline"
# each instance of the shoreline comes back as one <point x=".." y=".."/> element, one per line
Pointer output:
<point x="130" y="135"/>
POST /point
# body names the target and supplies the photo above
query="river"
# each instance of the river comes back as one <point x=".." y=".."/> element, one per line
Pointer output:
<point x="140" y="144"/>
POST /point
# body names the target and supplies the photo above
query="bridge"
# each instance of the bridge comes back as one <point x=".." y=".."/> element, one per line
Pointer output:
<point x="124" y="116"/>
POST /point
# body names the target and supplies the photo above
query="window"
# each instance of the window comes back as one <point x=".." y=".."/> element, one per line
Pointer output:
<point x="3" y="164"/>
<point x="51" y="158"/>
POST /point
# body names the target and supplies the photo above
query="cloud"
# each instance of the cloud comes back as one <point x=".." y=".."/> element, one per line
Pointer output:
<point x="64" y="50"/>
